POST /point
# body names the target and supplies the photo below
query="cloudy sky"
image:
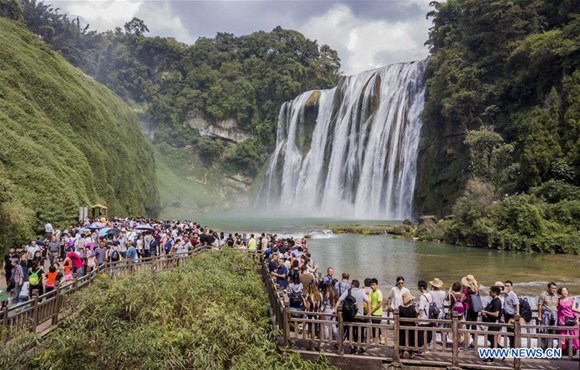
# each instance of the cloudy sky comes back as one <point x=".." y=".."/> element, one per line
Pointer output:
<point x="366" y="33"/>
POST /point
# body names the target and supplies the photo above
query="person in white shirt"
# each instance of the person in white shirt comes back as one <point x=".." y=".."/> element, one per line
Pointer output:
<point x="425" y="300"/>
<point x="395" y="298"/>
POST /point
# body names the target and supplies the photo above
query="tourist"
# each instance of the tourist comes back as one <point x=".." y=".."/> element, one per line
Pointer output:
<point x="53" y="250"/>
<point x="456" y="299"/>
<point x="470" y="288"/>
<point x="24" y="295"/>
<point x="329" y="299"/>
<point x="407" y="310"/>
<point x="568" y="311"/>
<point x="140" y="246"/>
<point x="252" y="244"/>
<point x="16" y="278"/>
<point x="342" y="286"/>
<point x="295" y="291"/>
<point x="376" y="309"/>
<point x="548" y="311"/>
<point x="328" y="278"/>
<point x="7" y="264"/>
<point x="77" y="262"/>
<point x="281" y="274"/>
<point x="360" y="297"/>
<point x="511" y="308"/>
<point x="491" y="314"/>
<point x="131" y="252"/>
<point x="438" y="296"/>
<point x="273" y="263"/>
<point x="113" y="253"/>
<point x="306" y="278"/>
<point x="395" y="298"/>
<point x="425" y="300"/>
<point x="31" y="249"/>
<point x="313" y="304"/>
<point x="53" y="276"/>
<point x="122" y="239"/>
<point x="68" y="268"/>
<point x="100" y="253"/>
<point x="35" y="277"/>
<point x="48" y="230"/>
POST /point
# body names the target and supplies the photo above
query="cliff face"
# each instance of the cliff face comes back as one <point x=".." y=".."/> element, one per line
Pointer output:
<point x="65" y="141"/>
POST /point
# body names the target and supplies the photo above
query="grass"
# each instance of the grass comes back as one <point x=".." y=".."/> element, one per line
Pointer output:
<point x="179" y="319"/>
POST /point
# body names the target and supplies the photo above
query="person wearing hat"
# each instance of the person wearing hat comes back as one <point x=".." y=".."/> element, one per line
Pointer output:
<point x="438" y="296"/>
<point x="407" y="310"/>
<point x="470" y="287"/>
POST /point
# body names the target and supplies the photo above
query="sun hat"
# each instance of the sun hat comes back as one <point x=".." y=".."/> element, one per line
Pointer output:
<point x="469" y="281"/>
<point x="407" y="297"/>
<point x="499" y="284"/>
<point x="436" y="282"/>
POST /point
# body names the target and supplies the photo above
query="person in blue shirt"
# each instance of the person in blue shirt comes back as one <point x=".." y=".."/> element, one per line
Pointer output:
<point x="273" y="264"/>
<point x="281" y="273"/>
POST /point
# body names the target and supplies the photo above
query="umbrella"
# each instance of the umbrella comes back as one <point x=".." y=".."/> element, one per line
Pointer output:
<point x="144" y="227"/>
<point x="108" y="231"/>
<point x="94" y="227"/>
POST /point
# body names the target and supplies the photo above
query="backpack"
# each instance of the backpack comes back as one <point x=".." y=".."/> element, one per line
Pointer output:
<point x="295" y="298"/>
<point x="349" y="308"/>
<point x="458" y="305"/>
<point x="115" y="255"/>
<point x="434" y="311"/>
<point x="525" y="309"/>
<point x="34" y="278"/>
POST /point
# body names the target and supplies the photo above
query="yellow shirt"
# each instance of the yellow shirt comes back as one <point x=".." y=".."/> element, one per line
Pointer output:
<point x="252" y="245"/>
<point x="376" y="297"/>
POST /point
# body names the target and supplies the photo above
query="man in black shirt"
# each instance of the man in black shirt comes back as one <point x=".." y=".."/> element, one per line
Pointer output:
<point x="491" y="315"/>
<point x="8" y="263"/>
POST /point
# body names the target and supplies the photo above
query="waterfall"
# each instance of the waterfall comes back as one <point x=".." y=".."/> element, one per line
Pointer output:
<point x="350" y="151"/>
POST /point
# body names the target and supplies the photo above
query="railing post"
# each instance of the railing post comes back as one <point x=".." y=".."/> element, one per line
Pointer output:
<point x="5" y="320"/>
<point x="455" y="333"/>
<point x="396" y="346"/>
<point x="57" y="303"/>
<point x="286" y="311"/>
<point x="517" y="340"/>
<point x="340" y="332"/>
<point x="34" y="311"/>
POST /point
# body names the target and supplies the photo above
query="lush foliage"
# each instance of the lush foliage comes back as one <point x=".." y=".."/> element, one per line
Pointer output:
<point x="65" y="141"/>
<point x="546" y="220"/>
<point x="176" y="320"/>
<point x="512" y="65"/>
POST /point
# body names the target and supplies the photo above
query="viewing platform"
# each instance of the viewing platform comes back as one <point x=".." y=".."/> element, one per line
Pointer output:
<point x="310" y="334"/>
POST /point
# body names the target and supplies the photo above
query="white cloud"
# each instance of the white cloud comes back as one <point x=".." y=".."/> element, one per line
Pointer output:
<point x="105" y="15"/>
<point x="364" y="44"/>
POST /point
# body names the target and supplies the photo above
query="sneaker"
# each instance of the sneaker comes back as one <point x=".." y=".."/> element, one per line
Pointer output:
<point x="382" y="341"/>
<point x="353" y="351"/>
<point x="361" y="351"/>
<point x="406" y="355"/>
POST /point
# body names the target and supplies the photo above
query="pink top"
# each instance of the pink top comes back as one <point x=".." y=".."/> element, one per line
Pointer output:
<point x="565" y="309"/>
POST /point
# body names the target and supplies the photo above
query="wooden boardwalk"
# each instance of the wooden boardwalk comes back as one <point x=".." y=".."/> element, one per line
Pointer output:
<point x="309" y="334"/>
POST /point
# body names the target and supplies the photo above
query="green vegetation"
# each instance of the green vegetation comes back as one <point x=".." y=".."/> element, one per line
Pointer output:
<point x="545" y="220"/>
<point x="358" y="229"/>
<point x="65" y="141"/>
<point x="245" y="79"/>
<point x="173" y="320"/>
<point x="511" y="65"/>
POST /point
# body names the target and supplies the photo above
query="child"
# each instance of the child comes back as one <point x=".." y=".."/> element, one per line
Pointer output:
<point x="52" y="277"/>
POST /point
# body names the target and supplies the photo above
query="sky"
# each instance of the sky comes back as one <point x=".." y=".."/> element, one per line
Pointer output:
<point x="366" y="33"/>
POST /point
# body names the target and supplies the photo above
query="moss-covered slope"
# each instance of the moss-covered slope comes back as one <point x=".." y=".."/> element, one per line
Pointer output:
<point x="65" y="140"/>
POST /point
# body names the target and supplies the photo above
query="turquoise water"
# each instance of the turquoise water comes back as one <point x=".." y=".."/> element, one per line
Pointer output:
<point x="385" y="258"/>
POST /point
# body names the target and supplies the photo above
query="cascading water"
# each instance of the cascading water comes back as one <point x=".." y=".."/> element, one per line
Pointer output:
<point x="351" y="151"/>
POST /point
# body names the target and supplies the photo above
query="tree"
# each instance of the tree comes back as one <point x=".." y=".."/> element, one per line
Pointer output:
<point x="136" y="27"/>
<point x="11" y="9"/>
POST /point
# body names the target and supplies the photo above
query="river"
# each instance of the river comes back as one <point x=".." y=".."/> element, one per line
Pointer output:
<point x="385" y="258"/>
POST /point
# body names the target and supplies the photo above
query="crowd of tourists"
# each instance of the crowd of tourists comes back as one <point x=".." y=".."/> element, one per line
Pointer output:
<point x="296" y="273"/>
<point x="61" y="256"/>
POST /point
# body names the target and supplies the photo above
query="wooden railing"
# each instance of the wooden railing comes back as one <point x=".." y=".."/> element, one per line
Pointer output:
<point x="315" y="331"/>
<point x="41" y="313"/>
